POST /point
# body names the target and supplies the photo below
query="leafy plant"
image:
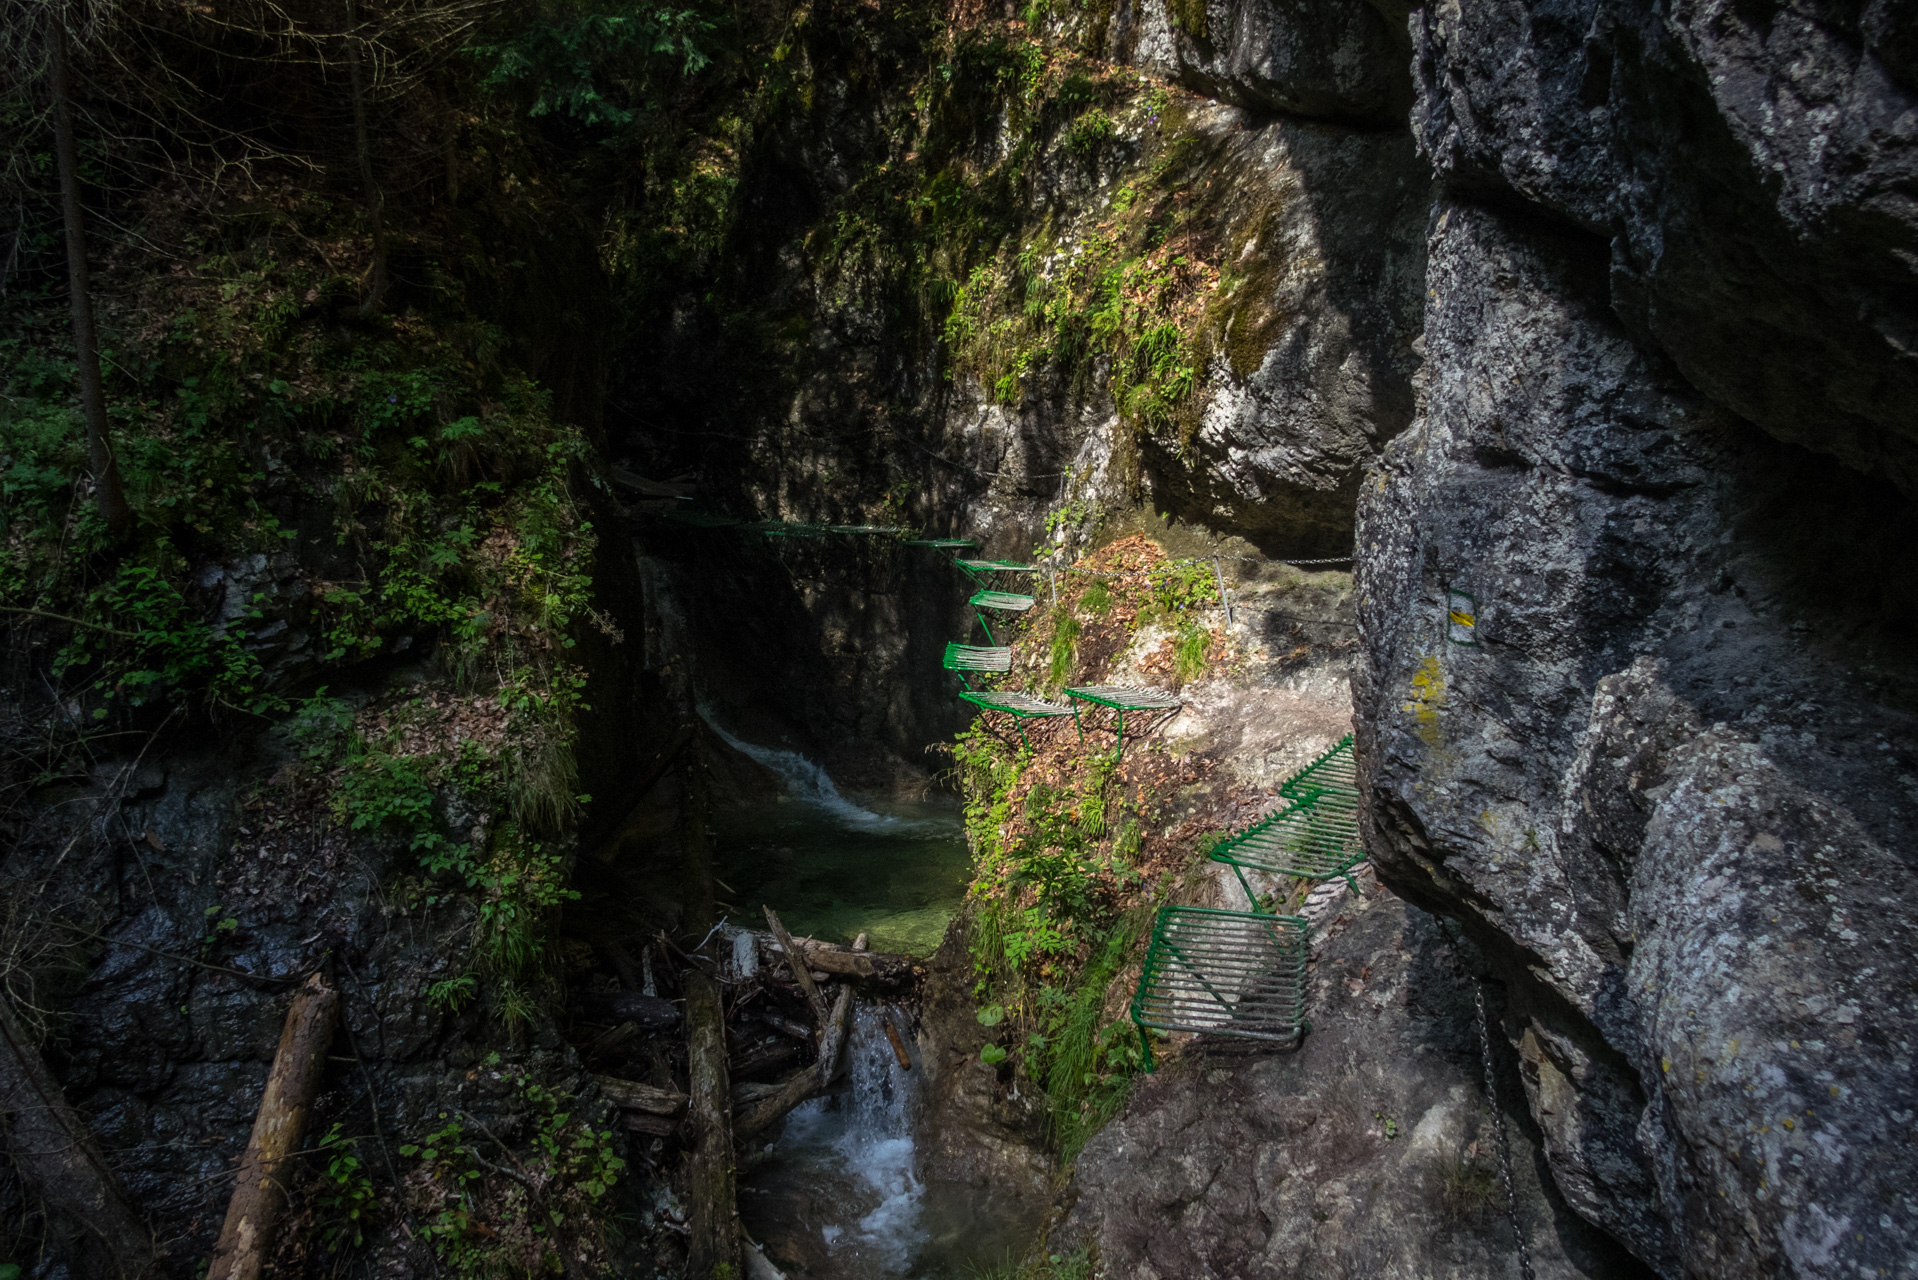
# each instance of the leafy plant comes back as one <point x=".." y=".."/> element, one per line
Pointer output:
<point x="568" y="60"/>
<point x="1189" y="650"/>
<point x="1065" y="640"/>
<point x="344" y="1191"/>
<point x="450" y="995"/>
<point x="564" y="1172"/>
<point x="1465" y="1186"/>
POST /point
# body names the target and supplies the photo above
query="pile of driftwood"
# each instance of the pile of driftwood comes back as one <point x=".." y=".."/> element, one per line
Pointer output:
<point x="754" y="1002"/>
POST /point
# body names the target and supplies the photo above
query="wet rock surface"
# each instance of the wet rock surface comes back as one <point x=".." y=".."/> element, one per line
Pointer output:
<point x="982" y="1131"/>
<point x="1367" y="1151"/>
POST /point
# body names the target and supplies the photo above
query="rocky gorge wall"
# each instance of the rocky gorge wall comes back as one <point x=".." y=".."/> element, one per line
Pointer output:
<point x="1668" y="778"/>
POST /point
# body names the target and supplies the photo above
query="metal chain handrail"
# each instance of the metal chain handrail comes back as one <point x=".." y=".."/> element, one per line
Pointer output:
<point x="1504" y="1144"/>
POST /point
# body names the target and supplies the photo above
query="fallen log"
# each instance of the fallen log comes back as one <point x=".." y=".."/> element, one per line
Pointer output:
<point x="834" y="1041"/>
<point x="842" y="962"/>
<point x="750" y="1055"/>
<point x="610" y="1039"/>
<point x="48" y="1143"/>
<point x="807" y="1082"/>
<point x="651" y="1126"/>
<point x="631" y="1095"/>
<point x="713" y="1241"/>
<point x="801" y="973"/>
<point x="779" y="1022"/>
<point x="787" y="1094"/>
<point x="247" y="1240"/>
<point x="898" y="1045"/>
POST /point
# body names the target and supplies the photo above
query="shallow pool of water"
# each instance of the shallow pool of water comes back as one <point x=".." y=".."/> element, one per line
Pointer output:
<point x="835" y="866"/>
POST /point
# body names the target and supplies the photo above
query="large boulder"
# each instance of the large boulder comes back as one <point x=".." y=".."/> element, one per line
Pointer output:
<point x="1753" y="165"/>
<point x="1635" y="706"/>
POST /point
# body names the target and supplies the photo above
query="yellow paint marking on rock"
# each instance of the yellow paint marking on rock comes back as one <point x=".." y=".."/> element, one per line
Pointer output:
<point x="1428" y="698"/>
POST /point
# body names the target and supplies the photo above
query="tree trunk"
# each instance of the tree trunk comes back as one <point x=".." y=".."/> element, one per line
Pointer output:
<point x="247" y="1240"/>
<point x="93" y="399"/>
<point x="797" y="960"/>
<point x="48" y="1144"/>
<point x="714" y="1236"/>
<point x="363" y="150"/>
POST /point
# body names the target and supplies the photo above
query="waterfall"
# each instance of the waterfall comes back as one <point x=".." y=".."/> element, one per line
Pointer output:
<point x="857" y="1147"/>
<point x="805" y="780"/>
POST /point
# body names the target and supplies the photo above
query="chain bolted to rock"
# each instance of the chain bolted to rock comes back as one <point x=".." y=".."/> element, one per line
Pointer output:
<point x="1498" y="1120"/>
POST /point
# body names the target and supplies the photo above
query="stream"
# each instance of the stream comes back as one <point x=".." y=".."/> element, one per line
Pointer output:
<point x="834" y="868"/>
<point x="841" y="1195"/>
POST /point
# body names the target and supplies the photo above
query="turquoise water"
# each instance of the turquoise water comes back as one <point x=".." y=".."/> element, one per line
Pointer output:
<point x="894" y="870"/>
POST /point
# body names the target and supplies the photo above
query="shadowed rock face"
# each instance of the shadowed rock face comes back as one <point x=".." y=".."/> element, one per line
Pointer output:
<point x="1368" y="1152"/>
<point x="1753" y="166"/>
<point x="1293" y="57"/>
<point x="1671" y="782"/>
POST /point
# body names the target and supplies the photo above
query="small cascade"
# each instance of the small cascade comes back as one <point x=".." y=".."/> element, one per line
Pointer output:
<point x="805" y="780"/>
<point x="841" y="1198"/>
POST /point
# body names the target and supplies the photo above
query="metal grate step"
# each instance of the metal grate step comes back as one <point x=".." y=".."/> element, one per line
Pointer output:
<point x="1223" y="973"/>
<point x="1336" y="770"/>
<point x="1006" y="601"/>
<point x="1125" y="697"/>
<point x="1023" y="705"/>
<point x="997" y="566"/>
<point x="976" y="657"/>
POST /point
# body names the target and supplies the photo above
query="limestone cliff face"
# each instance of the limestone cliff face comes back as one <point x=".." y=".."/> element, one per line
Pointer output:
<point x="1669" y="780"/>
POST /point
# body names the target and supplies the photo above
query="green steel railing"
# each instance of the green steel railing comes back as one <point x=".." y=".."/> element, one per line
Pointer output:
<point x="1223" y="973"/>
<point x="1314" y="837"/>
<point x="1121" y="698"/>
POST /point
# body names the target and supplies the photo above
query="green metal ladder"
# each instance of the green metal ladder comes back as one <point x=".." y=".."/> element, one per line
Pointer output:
<point x="1223" y="973"/>
<point x="1313" y="836"/>
<point x="1242" y="973"/>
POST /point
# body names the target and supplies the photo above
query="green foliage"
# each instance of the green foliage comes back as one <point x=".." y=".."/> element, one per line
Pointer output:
<point x="1096" y="599"/>
<point x="1466" y="1188"/>
<point x="343" y="1192"/>
<point x="592" y="61"/>
<point x="1189" y="16"/>
<point x="1090" y="132"/>
<point x="1071" y="515"/>
<point x="1178" y="588"/>
<point x="450" y="995"/>
<point x="572" y="1165"/>
<point x="1062" y="648"/>
<point x="1051" y="1266"/>
<point x="1189" y="650"/>
<point x="1047" y="931"/>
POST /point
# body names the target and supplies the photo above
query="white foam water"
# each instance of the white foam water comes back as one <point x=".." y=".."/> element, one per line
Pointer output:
<point x="861" y="1139"/>
<point x="805" y="781"/>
